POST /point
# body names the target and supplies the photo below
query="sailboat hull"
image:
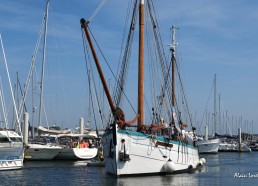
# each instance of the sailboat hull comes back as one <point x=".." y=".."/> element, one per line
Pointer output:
<point x="146" y="154"/>
<point x="11" y="150"/>
<point x="208" y="146"/>
<point x="41" y="152"/>
<point x="11" y="158"/>
<point x="11" y="163"/>
<point x="77" y="153"/>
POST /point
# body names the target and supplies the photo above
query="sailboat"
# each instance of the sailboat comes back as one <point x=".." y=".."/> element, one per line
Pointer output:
<point x="206" y="145"/>
<point x="11" y="140"/>
<point x="77" y="146"/>
<point x="11" y="150"/>
<point x="38" y="150"/>
<point x="210" y="145"/>
<point x="150" y="149"/>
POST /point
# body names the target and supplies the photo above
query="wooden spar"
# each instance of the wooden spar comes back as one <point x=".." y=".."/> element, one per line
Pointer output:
<point x="173" y="61"/>
<point x="173" y="85"/>
<point x="141" y="68"/>
<point x="84" y="26"/>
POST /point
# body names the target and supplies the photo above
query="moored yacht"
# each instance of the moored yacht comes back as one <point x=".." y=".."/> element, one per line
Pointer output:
<point x="233" y="146"/>
<point x="208" y="146"/>
<point x="11" y="150"/>
<point x="41" y="151"/>
<point x="77" y="146"/>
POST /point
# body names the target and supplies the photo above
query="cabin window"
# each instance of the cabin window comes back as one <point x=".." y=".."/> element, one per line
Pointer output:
<point x="15" y="139"/>
<point x="4" y="140"/>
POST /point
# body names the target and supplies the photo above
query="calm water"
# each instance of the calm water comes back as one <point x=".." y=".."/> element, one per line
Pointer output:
<point x="220" y="169"/>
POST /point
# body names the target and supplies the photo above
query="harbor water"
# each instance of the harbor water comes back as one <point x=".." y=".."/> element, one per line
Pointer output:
<point x="223" y="168"/>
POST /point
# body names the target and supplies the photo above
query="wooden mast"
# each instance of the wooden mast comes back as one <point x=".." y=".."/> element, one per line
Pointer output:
<point x="173" y="61"/>
<point x="173" y="64"/>
<point x="85" y="27"/>
<point x="141" y="68"/>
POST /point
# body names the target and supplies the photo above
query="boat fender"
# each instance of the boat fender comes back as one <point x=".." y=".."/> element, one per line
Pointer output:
<point x="200" y="163"/>
<point x="153" y="136"/>
<point x="170" y="166"/>
<point x="203" y="160"/>
<point x="190" y="167"/>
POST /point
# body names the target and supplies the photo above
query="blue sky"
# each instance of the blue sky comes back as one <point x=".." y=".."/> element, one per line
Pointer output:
<point x="215" y="37"/>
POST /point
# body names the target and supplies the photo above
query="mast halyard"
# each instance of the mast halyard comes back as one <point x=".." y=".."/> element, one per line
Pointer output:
<point x="141" y="68"/>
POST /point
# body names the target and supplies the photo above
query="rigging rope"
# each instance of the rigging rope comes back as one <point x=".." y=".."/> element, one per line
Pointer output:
<point x="160" y="50"/>
<point x="88" y="73"/>
<point x="109" y="67"/>
<point x="125" y="61"/>
<point x="207" y="104"/>
<point x="188" y="112"/>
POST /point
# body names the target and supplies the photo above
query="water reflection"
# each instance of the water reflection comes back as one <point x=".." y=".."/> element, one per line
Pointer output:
<point x="219" y="169"/>
<point x="173" y="179"/>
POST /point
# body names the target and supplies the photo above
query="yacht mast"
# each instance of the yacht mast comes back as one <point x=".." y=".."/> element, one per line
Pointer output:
<point x="10" y="84"/>
<point x="215" y="108"/>
<point x="43" y="64"/>
<point x="141" y="68"/>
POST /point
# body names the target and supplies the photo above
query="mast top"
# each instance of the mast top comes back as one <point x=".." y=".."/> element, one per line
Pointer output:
<point x="173" y="44"/>
<point x="142" y="2"/>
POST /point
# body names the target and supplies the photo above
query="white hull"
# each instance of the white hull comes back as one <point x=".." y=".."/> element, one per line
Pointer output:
<point x="43" y="130"/>
<point x="11" y="158"/>
<point x="229" y="147"/>
<point x="145" y="157"/>
<point x="11" y="152"/>
<point x="11" y="164"/>
<point x="77" y="153"/>
<point x="208" y="146"/>
<point x="41" y="152"/>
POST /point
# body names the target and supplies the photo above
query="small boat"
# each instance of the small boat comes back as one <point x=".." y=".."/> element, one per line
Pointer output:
<point x="11" y="150"/>
<point x="253" y="146"/>
<point x="228" y="145"/>
<point x="36" y="148"/>
<point x="209" y="146"/>
<point x="11" y="141"/>
<point x="77" y="146"/>
<point x="41" y="151"/>
<point x="233" y="146"/>
<point x="52" y="130"/>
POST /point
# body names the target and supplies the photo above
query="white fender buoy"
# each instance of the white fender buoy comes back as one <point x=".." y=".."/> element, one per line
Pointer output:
<point x="170" y="166"/>
<point x="200" y="163"/>
<point x="203" y="160"/>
